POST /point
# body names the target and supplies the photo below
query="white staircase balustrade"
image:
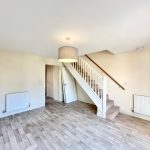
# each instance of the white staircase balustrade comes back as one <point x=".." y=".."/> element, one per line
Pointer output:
<point x="92" y="83"/>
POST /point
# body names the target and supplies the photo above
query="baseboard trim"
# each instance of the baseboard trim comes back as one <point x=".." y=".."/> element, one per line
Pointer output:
<point x="20" y="111"/>
<point x="85" y="101"/>
<point x="136" y="115"/>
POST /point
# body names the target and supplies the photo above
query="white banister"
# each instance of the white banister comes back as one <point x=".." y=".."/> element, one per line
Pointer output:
<point x="94" y="80"/>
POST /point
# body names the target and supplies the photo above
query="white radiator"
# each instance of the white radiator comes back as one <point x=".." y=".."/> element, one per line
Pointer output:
<point x="141" y="104"/>
<point x="17" y="101"/>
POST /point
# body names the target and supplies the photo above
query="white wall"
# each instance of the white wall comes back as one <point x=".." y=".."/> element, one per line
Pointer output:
<point x="22" y="72"/>
<point x="132" y="70"/>
<point x="82" y="96"/>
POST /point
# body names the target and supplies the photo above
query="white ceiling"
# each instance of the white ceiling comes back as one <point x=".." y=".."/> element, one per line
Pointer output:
<point x="41" y="26"/>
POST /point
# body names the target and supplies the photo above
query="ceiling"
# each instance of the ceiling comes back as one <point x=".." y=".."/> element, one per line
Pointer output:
<point x="41" y="26"/>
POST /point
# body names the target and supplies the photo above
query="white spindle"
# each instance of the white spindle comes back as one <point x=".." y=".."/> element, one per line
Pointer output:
<point x="104" y="96"/>
<point x="94" y="79"/>
<point x="98" y="86"/>
<point x="94" y="82"/>
<point x="76" y="65"/>
<point x="90" y="76"/>
<point x="82" y="68"/>
<point x="84" y="71"/>
<point x="79" y="66"/>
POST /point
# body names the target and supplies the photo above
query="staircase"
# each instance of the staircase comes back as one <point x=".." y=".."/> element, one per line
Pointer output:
<point x="95" y="86"/>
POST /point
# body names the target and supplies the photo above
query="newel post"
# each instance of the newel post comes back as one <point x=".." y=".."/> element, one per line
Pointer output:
<point x="104" y="97"/>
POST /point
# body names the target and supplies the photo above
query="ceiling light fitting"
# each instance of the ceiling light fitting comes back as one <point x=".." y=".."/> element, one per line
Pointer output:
<point x="68" y="54"/>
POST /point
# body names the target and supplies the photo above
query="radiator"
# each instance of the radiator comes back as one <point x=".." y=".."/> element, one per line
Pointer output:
<point x="16" y="101"/>
<point x="141" y="104"/>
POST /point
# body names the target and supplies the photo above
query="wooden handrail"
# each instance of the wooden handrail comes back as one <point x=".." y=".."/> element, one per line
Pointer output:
<point x="105" y="72"/>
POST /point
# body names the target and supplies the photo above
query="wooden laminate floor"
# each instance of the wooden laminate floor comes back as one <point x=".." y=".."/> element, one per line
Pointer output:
<point x="72" y="127"/>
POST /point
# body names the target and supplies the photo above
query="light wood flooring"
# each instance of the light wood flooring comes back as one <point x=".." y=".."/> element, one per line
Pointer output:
<point x="72" y="127"/>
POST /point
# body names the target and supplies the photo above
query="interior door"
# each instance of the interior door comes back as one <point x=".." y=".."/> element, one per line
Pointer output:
<point x="69" y="87"/>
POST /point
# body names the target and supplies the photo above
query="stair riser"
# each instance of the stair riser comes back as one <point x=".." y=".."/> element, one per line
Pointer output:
<point x="110" y="106"/>
<point x="112" y="116"/>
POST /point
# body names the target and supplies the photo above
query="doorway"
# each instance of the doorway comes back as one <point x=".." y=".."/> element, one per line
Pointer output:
<point x="53" y="85"/>
<point x="60" y="85"/>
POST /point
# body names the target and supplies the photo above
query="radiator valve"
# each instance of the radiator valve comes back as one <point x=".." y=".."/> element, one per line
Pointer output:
<point x="4" y="111"/>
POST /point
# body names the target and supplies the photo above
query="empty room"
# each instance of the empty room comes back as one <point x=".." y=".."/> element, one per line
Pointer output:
<point x="74" y="75"/>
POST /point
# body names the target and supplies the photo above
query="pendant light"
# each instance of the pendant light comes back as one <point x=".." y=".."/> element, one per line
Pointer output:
<point x="68" y="54"/>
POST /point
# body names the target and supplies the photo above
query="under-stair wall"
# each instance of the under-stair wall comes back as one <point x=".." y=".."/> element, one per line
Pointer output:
<point x="81" y="94"/>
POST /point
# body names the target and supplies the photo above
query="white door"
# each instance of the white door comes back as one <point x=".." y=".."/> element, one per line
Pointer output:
<point x="69" y="87"/>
